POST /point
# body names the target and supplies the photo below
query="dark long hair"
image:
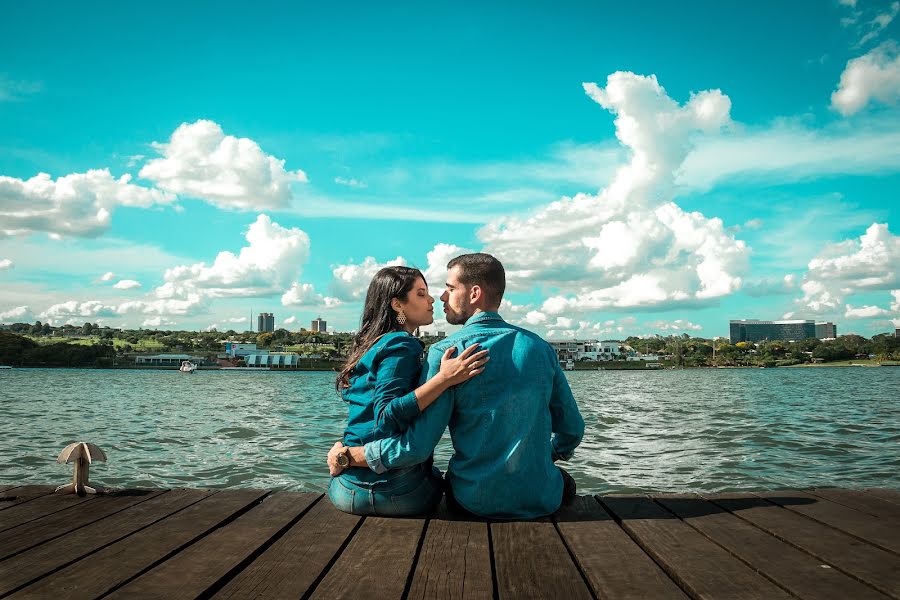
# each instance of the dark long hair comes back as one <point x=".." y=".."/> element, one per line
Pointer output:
<point x="378" y="318"/>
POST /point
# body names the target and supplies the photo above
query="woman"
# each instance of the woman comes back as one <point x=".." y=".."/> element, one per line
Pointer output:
<point x="379" y="382"/>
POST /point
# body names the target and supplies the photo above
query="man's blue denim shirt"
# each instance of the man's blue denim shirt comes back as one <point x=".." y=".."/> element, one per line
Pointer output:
<point x="382" y="395"/>
<point x="501" y="423"/>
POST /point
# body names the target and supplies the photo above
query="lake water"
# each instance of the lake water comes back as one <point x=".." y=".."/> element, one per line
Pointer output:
<point x="702" y="429"/>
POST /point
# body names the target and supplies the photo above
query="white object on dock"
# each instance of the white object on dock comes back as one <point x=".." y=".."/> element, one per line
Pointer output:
<point x="82" y="454"/>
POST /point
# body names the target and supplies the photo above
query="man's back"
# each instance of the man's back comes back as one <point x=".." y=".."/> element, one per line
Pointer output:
<point x="502" y="421"/>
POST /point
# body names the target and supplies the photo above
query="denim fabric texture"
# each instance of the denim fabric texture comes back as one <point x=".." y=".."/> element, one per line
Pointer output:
<point x="508" y="425"/>
<point x="381" y="397"/>
<point x="410" y="492"/>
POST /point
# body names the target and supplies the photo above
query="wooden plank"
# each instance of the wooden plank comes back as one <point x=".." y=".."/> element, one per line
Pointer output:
<point x="891" y="495"/>
<point x="532" y="562"/>
<point x="3" y="488"/>
<point x="376" y="563"/>
<point x="858" y="559"/>
<point x="35" y="508"/>
<point x="614" y="565"/>
<point x="455" y="559"/>
<point x="116" y="564"/>
<point x="31" y="534"/>
<point x="862" y="501"/>
<point x="866" y="527"/>
<point x="699" y="566"/>
<point x="795" y="571"/>
<point x="31" y="565"/>
<point x="17" y="495"/>
<point x="290" y="566"/>
<point x="193" y="571"/>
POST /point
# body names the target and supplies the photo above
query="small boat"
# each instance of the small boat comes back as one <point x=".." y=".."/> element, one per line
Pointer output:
<point x="187" y="367"/>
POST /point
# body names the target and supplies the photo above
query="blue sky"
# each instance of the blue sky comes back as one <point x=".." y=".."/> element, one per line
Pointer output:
<point x="639" y="170"/>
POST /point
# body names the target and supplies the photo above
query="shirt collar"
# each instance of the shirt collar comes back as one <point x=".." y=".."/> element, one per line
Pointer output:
<point x="483" y="316"/>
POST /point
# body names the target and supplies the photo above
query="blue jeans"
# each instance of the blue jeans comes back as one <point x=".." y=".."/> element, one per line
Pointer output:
<point x="412" y="492"/>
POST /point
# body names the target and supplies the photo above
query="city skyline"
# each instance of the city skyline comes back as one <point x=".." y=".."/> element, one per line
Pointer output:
<point x="638" y="170"/>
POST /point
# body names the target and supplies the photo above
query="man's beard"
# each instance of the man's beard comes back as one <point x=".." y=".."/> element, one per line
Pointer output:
<point x="456" y="318"/>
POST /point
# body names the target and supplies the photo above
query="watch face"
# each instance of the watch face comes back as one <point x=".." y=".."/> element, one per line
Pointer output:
<point x="343" y="460"/>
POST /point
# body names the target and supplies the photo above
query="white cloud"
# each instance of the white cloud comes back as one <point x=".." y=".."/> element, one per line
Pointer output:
<point x="158" y="322"/>
<point x="80" y="204"/>
<point x="273" y="258"/>
<point x="676" y="325"/>
<point x="108" y="276"/>
<point x="789" y="151"/>
<point x="304" y="294"/>
<point x="771" y="286"/>
<point x="879" y="23"/>
<point x="351" y="281"/>
<point x="351" y="182"/>
<point x="437" y="259"/>
<point x="865" y="312"/>
<point x="190" y="304"/>
<point x="895" y="305"/>
<point x="753" y="224"/>
<point x="19" y="314"/>
<point x="200" y="161"/>
<point x="290" y="320"/>
<point x="127" y="284"/>
<point x="6" y="264"/>
<point x="873" y="76"/>
<point x="841" y="270"/>
<point x="75" y="309"/>
<point x="630" y="245"/>
<point x="850" y="3"/>
<point x="236" y="320"/>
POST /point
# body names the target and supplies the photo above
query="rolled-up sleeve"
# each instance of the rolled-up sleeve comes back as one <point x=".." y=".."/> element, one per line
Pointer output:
<point x="567" y="423"/>
<point x="417" y="443"/>
<point x="396" y="374"/>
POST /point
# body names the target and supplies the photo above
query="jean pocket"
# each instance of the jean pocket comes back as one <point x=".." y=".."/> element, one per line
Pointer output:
<point x="341" y="495"/>
<point x="419" y="501"/>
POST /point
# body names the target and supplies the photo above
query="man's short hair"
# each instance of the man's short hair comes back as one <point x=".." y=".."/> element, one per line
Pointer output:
<point x="482" y="270"/>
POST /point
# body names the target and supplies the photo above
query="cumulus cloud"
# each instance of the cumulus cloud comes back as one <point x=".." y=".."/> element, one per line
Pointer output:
<point x="351" y="281"/>
<point x="437" y="259"/>
<point x="272" y="259"/>
<point x="629" y="245"/>
<point x="89" y="309"/>
<point x="108" y="276"/>
<point x="6" y="264"/>
<point x="158" y="322"/>
<point x="19" y="314"/>
<point x="895" y="305"/>
<point x="865" y="312"/>
<point x="80" y="204"/>
<point x="127" y="284"/>
<point x="873" y="76"/>
<point x="202" y="162"/>
<point x="290" y="320"/>
<point x="304" y="294"/>
<point x="870" y="263"/>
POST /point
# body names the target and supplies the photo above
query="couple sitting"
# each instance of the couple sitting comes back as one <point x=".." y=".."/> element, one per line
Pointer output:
<point x="501" y="413"/>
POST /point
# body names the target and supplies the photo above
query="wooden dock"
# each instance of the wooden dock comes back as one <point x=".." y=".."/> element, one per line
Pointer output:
<point x="187" y="543"/>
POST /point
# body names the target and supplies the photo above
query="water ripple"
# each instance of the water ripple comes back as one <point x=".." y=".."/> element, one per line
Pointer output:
<point x="696" y="430"/>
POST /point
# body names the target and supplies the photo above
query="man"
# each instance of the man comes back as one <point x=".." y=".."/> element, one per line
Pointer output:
<point x="500" y="421"/>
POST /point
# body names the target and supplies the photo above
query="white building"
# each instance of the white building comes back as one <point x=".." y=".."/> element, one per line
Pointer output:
<point x="166" y="360"/>
<point x="273" y="360"/>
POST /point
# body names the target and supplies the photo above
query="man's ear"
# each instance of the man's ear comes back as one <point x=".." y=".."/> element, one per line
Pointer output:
<point x="475" y="294"/>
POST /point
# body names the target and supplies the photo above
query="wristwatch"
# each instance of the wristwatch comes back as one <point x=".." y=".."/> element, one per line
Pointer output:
<point x="343" y="458"/>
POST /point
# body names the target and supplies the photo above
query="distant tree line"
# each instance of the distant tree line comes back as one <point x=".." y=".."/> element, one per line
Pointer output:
<point x="696" y="352"/>
<point x="19" y="351"/>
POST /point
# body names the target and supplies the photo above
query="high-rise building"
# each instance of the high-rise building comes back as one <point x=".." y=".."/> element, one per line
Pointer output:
<point x="751" y="330"/>
<point x="265" y="322"/>
<point x="826" y="331"/>
<point x="318" y="325"/>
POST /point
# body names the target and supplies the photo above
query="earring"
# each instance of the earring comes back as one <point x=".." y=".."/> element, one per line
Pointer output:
<point x="401" y="317"/>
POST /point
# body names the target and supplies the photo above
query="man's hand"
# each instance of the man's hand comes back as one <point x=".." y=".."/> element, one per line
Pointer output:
<point x="334" y="469"/>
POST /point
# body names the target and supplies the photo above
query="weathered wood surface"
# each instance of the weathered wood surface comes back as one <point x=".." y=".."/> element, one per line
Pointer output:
<point x="822" y="543"/>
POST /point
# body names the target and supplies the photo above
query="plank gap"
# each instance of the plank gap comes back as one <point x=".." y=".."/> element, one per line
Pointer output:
<point x="337" y="555"/>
